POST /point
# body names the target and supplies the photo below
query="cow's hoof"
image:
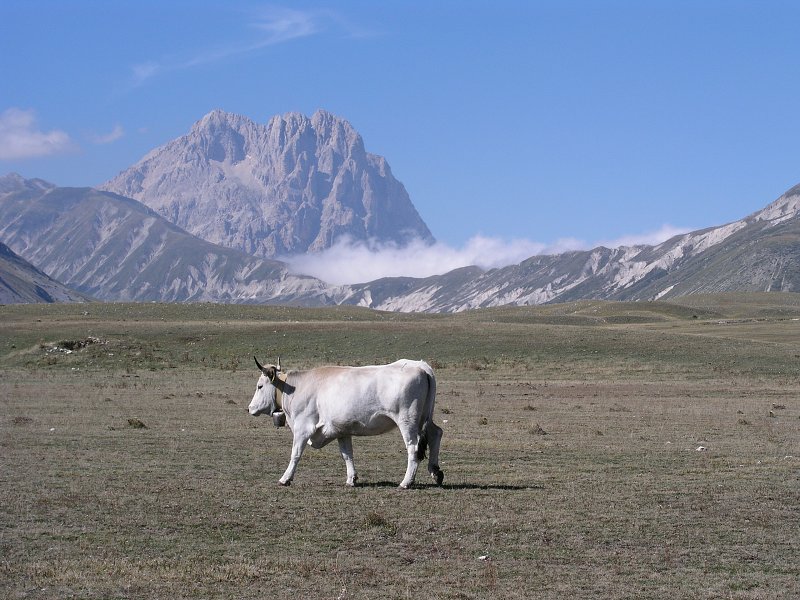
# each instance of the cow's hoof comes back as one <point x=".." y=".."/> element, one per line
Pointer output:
<point x="285" y="483"/>
<point x="352" y="482"/>
<point x="404" y="486"/>
<point x="438" y="477"/>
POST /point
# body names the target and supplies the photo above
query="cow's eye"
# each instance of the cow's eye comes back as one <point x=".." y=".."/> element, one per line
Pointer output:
<point x="260" y="386"/>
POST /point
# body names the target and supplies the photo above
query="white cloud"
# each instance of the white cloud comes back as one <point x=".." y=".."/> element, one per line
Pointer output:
<point x="107" y="138"/>
<point x="357" y="262"/>
<point x="348" y="261"/>
<point x="19" y="137"/>
<point x="275" y="25"/>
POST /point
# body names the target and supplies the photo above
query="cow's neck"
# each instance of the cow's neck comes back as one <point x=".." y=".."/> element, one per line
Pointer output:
<point x="280" y="381"/>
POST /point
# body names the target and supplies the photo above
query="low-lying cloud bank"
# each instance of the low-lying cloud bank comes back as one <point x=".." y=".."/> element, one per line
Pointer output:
<point x="349" y="262"/>
<point x="357" y="262"/>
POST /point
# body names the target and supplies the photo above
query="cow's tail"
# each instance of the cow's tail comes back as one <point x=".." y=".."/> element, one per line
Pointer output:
<point x="427" y="413"/>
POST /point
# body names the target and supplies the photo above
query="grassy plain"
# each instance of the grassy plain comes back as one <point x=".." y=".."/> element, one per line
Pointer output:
<point x="572" y="454"/>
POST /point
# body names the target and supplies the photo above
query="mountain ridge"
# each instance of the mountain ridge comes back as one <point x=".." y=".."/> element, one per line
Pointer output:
<point x="115" y="248"/>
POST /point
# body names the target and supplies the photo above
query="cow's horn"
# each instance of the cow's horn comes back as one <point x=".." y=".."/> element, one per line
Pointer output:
<point x="278" y="366"/>
<point x="258" y="364"/>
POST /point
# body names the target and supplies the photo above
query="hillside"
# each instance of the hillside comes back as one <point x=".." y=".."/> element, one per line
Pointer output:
<point x="22" y="283"/>
<point x="115" y="248"/>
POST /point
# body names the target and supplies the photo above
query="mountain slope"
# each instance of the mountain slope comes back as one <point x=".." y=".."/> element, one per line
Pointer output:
<point x="758" y="253"/>
<point x="291" y="186"/>
<point x="115" y="248"/>
<point x="22" y="283"/>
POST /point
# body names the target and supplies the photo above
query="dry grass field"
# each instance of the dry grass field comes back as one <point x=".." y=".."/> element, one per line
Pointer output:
<point x="591" y="450"/>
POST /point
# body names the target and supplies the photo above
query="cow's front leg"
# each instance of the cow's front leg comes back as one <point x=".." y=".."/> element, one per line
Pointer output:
<point x="298" y="445"/>
<point x="346" y="448"/>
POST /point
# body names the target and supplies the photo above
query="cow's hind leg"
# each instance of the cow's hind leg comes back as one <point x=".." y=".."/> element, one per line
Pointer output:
<point x="434" y="433"/>
<point x="346" y="448"/>
<point x="411" y="439"/>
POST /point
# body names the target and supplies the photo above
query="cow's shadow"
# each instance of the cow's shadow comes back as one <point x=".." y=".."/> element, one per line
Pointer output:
<point x="487" y="486"/>
<point x="453" y="486"/>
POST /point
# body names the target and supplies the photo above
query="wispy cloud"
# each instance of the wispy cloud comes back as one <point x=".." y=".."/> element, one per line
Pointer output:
<point x="106" y="138"/>
<point x="273" y="25"/>
<point x="284" y="24"/>
<point x="20" y="137"/>
<point x="144" y="71"/>
<point x="348" y="261"/>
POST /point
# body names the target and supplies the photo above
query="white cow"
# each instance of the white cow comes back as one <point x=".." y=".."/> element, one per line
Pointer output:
<point x="335" y="403"/>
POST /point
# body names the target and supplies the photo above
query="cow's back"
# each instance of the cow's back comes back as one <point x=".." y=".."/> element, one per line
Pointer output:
<point x="344" y="394"/>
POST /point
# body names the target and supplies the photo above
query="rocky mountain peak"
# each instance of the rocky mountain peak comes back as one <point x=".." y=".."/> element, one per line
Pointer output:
<point x="220" y="136"/>
<point x="294" y="185"/>
<point x="338" y="134"/>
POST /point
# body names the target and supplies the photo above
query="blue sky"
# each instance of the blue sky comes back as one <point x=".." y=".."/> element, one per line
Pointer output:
<point x="537" y="125"/>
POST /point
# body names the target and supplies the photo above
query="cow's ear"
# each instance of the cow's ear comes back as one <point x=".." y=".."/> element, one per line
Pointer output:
<point x="269" y="371"/>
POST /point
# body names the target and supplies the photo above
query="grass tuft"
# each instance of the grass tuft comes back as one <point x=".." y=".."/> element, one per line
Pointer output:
<point x="377" y="520"/>
<point x="536" y="430"/>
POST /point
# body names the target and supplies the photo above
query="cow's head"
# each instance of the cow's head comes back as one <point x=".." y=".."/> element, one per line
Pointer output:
<point x="264" y="400"/>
